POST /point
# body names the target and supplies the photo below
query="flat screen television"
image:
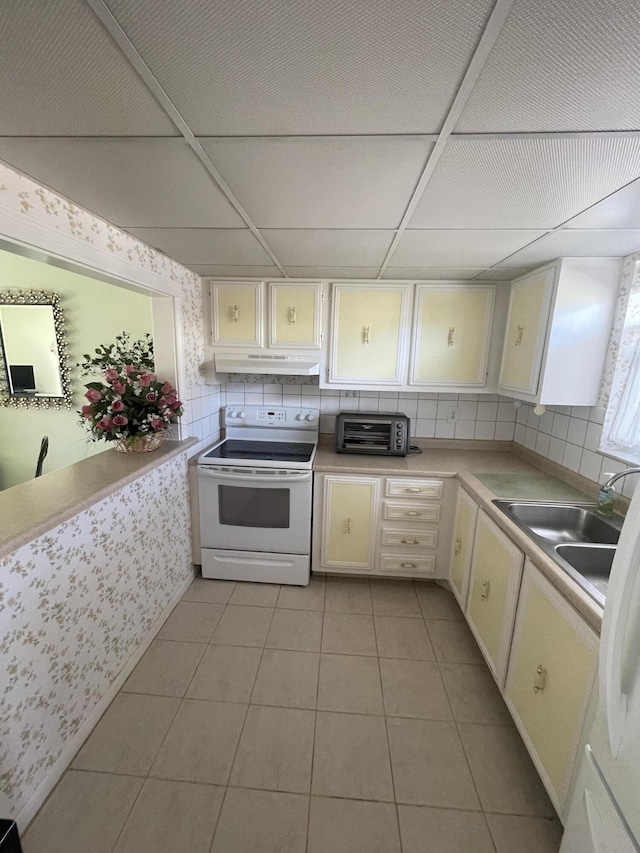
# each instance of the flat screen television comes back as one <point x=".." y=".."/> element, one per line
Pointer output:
<point x="22" y="378"/>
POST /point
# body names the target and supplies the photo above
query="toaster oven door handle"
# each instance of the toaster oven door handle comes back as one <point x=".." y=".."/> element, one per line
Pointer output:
<point x="266" y="476"/>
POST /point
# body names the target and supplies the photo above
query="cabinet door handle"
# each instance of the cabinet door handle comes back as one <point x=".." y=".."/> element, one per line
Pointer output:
<point x="452" y="330"/>
<point x="234" y="313"/>
<point x="408" y="565"/>
<point x="366" y="334"/>
<point x="485" y="591"/>
<point x="292" y="316"/>
<point x="519" y="335"/>
<point x="410" y="541"/>
<point x="412" y="513"/>
<point x="348" y="527"/>
<point x="540" y="680"/>
<point x="457" y="546"/>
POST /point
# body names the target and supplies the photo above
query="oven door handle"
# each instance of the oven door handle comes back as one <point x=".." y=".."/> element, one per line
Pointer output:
<point x="294" y="477"/>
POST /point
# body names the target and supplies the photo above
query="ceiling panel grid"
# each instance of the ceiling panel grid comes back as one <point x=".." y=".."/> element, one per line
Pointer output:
<point x="274" y="67"/>
<point x="561" y="65"/>
<point x="62" y="75"/>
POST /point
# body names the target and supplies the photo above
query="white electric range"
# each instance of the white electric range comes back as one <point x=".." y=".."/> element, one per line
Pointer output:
<point x="255" y="489"/>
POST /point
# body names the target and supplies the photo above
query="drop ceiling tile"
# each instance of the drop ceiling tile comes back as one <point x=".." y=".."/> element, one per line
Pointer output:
<point x="329" y="182"/>
<point x="317" y="248"/>
<point x="619" y="210"/>
<point x="560" y="65"/>
<point x="581" y="244"/>
<point x="228" y="246"/>
<point x="498" y="274"/>
<point x="295" y="67"/>
<point x="61" y="74"/>
<point x="432" y="274"/>
<point x="458" y="248"/>
<point x="244" y="271"/>
<point x="531" y="182"/>
<point x="332" y="272"/>
<point x="130" y="182"/>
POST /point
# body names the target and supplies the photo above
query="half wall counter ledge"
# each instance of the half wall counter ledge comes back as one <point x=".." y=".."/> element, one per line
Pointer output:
<point x="31" y="509"/>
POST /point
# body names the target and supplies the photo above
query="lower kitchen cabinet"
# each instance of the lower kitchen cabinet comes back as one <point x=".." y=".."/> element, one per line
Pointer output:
<point x="348" y="510"/>
<point x="463" y="534"/>
<point x="550" y="677"/>
<point x="388" y="526"/>
<point x="496" y="571"/>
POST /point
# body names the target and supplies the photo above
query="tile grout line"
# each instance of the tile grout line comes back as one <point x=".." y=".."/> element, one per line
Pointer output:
<point x="315" y="727"/>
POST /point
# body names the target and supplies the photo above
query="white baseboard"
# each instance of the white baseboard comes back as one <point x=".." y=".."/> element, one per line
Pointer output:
<point x="56" y="772"/>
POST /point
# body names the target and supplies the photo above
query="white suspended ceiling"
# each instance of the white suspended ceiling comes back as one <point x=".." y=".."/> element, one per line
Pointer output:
<point x="338" y="139"/>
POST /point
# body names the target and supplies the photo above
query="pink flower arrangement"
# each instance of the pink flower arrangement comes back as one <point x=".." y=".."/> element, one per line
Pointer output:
<point x="130" y="403"/>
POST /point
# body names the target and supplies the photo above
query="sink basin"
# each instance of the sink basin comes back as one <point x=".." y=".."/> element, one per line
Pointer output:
<point x="581" y="542"/>
<point x="562" y="522"/>
<point x="592" y="562"/>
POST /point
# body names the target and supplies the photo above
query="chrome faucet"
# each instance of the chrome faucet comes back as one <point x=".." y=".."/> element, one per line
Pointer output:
<point x="607" y="494"/>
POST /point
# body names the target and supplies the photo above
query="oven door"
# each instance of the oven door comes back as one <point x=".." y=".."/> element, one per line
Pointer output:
<point x="255" y="509"/>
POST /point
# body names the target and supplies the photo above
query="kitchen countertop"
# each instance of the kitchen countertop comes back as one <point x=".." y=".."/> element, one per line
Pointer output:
<point x="486" y="474"/>
<point x="31" y="509"/>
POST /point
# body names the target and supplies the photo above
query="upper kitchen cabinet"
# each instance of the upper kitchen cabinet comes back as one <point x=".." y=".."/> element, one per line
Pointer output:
<point x="236" y="310"/>
<point x="557" y="333"/>
<point x="263" y="327"/>
<point x="295" y="317"/>
<point x="451" y="332"/>
<point x="369" y="342"/>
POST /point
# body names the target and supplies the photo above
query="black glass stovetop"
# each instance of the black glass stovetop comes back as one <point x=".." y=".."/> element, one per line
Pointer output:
<point x="275" y="451"/>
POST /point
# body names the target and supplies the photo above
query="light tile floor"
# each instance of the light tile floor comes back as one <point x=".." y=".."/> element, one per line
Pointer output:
<point x="344" y="717"/>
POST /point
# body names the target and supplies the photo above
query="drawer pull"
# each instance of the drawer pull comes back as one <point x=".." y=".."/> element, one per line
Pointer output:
<point x="540" y="680"/>
<point x="408" y="565"/>
<point x="485" y="591"/>
<point x="413" y="489"/>
<point x="519" y="335"/>
<point x="234" y="313"/>
<point x="410" y="541"/>
<point x="412" y="512"/>
<point x="457" y="546"/>
<point x="348" y="527"/>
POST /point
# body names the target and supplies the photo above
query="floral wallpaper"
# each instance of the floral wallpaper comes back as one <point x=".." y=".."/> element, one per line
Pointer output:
<point x="74" y="605"/>
<point x="39" y="205"/>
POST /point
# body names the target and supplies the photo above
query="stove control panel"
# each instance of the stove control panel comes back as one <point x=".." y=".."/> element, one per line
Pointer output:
<point x="265" y="416"/>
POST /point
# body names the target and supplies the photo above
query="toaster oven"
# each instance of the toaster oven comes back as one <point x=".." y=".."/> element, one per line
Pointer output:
<point x="383" y="433"/>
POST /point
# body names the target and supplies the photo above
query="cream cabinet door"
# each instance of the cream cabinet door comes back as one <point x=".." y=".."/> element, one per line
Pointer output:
<point x="369" y="334"/>
<point x="551" y="674"/>
<point x="529" y="304"/>
<point x="349" y="522"/>
<point x="295" y="316"/>
<point x="496" y="570"/>
<point x="451" y="334"/>
<point x="463" y="535"/>
<point x="237" y="313"/>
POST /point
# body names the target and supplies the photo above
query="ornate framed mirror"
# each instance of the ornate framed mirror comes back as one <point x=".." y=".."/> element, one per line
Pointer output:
<point x="34" y="368"/>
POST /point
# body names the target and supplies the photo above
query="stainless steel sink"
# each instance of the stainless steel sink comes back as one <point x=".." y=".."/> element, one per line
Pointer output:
<point x="580" y="541"/>
<point x="592" y="562"/>
<point x="562" y="522"/>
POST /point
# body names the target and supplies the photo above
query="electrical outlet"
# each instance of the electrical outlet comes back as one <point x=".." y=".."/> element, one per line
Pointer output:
<point x="452" y="415"/>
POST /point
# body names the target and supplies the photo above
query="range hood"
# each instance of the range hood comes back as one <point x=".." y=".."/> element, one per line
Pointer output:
<point x="286" y="365"/>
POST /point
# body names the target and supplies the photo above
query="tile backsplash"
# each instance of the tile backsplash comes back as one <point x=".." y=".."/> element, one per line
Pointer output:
<point x="481" y="416"/>
<point x="568" y="435"/>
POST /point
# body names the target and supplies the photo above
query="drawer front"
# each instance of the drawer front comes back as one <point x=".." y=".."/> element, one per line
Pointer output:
<point x="409" y="538"/>
<point x="411" y="512"/>
<point x="412" y="488"/>
<point x="407" y="565"/>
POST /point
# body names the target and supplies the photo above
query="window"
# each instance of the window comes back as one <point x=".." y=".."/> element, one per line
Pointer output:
<point x="621" y="429"/>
